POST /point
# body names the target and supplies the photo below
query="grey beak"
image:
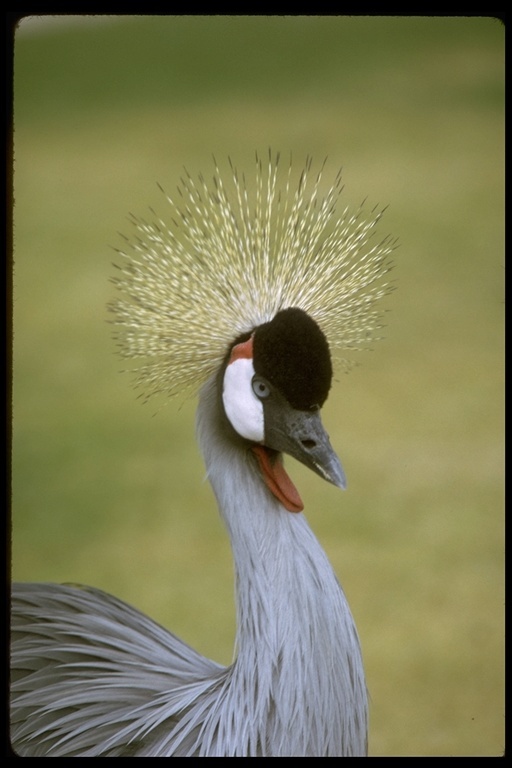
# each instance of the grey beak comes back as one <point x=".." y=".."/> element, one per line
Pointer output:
<point x="301" y="434"/>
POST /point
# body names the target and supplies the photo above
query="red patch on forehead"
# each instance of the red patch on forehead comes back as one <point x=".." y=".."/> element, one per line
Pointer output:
<point x="242" y="350"/>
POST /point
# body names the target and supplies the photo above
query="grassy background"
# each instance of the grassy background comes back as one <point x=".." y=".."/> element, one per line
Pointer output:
<point x="107" y="493"/>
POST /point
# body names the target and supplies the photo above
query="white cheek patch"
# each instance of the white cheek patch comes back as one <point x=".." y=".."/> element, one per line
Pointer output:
<point x="243" y="409"/>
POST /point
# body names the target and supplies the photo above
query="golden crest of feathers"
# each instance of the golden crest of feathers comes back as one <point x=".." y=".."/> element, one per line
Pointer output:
<point x="230" y="254"/>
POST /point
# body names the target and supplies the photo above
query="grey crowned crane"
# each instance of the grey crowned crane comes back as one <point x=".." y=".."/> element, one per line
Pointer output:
<point x="250" y="294"/>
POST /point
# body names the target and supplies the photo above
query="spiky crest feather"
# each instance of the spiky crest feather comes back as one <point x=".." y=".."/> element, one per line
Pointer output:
<point x="230" y="255"/>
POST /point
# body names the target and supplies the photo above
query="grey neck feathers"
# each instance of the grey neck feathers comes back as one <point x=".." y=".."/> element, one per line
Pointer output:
<point x="298" y="668"/>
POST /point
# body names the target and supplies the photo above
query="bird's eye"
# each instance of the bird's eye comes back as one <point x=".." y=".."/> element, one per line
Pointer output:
<point x="260" y="388"/>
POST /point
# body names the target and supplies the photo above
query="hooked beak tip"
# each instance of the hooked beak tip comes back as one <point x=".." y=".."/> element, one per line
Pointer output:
<point x="338" y="478"/>
<point x="333" y="472"/>
<point x="341" y="484"/>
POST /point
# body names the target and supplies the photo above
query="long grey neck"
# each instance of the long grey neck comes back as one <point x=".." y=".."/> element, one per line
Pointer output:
<point x="298" y="668"/>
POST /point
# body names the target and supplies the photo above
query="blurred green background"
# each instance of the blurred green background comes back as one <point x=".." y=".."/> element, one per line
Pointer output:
<point x="110" y="492"/>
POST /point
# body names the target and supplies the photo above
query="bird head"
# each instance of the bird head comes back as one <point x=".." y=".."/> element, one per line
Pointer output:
<point x="274" y="383"/>
<point x="264" y="283"/>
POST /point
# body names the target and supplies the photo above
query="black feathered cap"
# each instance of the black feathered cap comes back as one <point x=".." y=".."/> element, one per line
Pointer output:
<point x="292" y="353"/>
